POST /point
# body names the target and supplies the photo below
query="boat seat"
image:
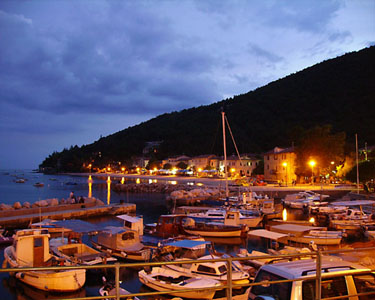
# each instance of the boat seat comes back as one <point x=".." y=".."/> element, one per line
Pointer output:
<point x="87" y="256"/>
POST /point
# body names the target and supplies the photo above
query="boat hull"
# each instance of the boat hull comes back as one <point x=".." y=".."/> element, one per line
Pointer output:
<point x="214" y="232"/>
<point x="56" y="281"/>
<point x="161" y="286"/>
<point x="61" y="281"/>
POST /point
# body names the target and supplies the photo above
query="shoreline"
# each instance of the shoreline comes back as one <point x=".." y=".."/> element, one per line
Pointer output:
<point x="218" y="182"/>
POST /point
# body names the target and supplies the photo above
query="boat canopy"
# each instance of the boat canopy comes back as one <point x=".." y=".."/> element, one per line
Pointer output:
<point x="129" y="218"/>
<point x="188" y="244"/>
<point x="78" y="226"/>
<point x="268" y="234"/>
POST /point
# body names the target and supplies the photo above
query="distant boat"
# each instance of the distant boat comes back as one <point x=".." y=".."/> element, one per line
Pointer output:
<point x="21" y="180"/>
<point x="39" y="184"/>
<point x="71" y="183"/>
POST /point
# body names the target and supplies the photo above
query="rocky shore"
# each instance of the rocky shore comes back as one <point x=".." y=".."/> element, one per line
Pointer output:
<point x="54" y="202"/>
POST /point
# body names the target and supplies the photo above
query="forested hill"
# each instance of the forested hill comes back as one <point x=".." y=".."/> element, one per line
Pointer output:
<point x="339" y="92"/>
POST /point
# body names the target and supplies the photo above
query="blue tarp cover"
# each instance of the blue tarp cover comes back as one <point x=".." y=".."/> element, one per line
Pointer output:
<point x="188" y="244"/>
<point x="79" y="226"/>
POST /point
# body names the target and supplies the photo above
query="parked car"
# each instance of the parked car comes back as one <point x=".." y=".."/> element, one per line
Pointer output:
<point x="339" y="278"/>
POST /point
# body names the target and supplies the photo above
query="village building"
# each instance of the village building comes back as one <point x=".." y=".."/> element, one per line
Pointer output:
<point x="240" y="166"/>
<point x="280" y="165"/>
<point x="201" y="162"/>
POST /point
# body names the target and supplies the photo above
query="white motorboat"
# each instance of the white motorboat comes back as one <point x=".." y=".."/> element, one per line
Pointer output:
<point x="307" y="234"/>
<point x="163" y="279"/>
<point x="213" y="270"/>
<point x="31" y="249"/>
<point x="228" y="217"/>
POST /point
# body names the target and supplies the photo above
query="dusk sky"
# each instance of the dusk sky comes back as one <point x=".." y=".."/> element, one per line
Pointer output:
<point x="71" y="71"/>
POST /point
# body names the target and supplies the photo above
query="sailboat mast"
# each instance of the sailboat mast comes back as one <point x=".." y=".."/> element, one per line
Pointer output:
<point x="225" y="155"/>
<point x="356" y="155"/>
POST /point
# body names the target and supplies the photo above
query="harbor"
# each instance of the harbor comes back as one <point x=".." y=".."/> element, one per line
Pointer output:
<point x="151" y="207"/>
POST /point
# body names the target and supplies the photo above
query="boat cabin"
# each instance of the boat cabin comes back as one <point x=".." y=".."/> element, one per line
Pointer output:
<point x="120" y="238"/>
<point x="32" y="247"/>
<point x="167" y="226"/>
<point x="133" y="223"/>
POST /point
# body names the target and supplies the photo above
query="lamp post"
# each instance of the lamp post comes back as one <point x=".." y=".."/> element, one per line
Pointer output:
<point x="312" y="163"/>
<point x="285" y="164"/>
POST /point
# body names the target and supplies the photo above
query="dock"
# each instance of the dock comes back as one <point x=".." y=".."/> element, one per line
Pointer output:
<point x="21" y="218"/>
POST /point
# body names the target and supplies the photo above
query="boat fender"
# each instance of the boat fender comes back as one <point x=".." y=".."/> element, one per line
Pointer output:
<point x="20" y="275"/>
<point x="123" y="254"/>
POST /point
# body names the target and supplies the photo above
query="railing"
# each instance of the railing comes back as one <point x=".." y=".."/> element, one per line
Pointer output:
<point x="229" y="286"/>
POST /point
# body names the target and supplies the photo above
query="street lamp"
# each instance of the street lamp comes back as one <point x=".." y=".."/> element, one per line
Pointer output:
<point x="285" y="164"/>
<point x="312" y="163"/>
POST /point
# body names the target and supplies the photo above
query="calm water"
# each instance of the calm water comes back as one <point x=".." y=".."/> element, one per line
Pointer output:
<point x="150" y="206"/>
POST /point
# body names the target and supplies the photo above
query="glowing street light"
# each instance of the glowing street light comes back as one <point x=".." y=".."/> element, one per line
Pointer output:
<point x="312" y="163"/>
<point x="285" y="165"/>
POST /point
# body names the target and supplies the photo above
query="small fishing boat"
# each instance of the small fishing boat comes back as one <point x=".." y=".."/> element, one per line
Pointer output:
<point x="162" y="279"/>
<point x="213" y="229"/>
<point x="122" y="243"/>
<point x="213" y="270"/>
<point x="307" y="234"/>
<point x="228" y="217"/>
<point x="109" y="289"/>
<point x="167" y="226"/>
<point x="78" y="253"/>
<point x="39" y="184"/>
<point x="31" y="249"/>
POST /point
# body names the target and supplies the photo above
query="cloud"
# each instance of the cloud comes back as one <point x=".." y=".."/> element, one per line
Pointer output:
<point x="96" y="67"/>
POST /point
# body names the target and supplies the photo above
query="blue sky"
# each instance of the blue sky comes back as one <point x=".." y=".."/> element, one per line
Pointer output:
<point x="71" y="71"/>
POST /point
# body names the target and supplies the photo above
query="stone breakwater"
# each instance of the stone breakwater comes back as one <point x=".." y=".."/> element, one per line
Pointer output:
<point x="54" y="202"/>
<point x="179" y="193"/>
<point x="163" y="188"/>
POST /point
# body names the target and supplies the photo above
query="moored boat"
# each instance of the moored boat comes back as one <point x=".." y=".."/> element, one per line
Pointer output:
<point x="109" y="289"/>
<point x="31" y="249"/>
<point x="307" y="234"/>
<point x="213" y="229"/>
<point x="213" y="270"/>
<point x="162" y="279"/>
<point x="78" y="253"/>
<point x="122" y="243"/>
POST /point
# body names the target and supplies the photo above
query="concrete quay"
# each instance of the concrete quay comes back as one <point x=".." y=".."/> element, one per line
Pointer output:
<point x="21" y="218"/>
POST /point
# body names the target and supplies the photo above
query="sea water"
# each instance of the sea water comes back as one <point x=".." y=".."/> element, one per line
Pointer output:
<point x="149" y="205"/>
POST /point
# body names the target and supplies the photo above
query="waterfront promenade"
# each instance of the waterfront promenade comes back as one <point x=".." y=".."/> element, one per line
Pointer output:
<point x="220" y="182"/>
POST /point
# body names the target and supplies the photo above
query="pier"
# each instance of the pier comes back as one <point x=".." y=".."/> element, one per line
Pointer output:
<point x="24" y="216"/>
